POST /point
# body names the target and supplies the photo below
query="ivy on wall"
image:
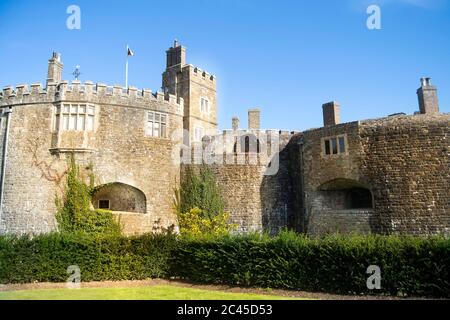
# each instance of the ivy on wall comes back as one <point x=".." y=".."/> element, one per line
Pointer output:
<point x="74" y="209"/>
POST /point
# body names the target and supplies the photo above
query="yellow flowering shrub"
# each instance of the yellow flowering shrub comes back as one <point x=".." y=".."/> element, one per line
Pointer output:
<point x="194" y="223"/>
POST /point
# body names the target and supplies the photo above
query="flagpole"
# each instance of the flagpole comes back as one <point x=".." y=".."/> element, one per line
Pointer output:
<point x="126" y="71"/>
<point x="126" y="75"/>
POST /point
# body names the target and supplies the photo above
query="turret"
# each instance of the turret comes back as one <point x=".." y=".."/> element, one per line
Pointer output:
<point x="198" y="90"/>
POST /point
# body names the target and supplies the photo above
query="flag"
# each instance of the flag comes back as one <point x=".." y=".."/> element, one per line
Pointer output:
<point x="129" y="52"/>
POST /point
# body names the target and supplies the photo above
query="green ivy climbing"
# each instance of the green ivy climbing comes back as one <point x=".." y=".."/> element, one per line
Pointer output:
<point x="74" y="209"/>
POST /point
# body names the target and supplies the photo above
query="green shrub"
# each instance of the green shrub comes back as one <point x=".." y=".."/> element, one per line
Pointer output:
<point x="199" y="191"/>
<point x="194" y="224"/>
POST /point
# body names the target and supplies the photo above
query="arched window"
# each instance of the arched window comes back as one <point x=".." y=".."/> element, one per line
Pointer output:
<point x="249" y="144"/>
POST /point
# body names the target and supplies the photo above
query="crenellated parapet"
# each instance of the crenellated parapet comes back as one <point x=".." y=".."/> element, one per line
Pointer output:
<point x="89" y="92"/>
<point x="26" y="94"/>
<point x="272" y="138"/>
<point x="238" y="147"/>
<point x="200" y="75"/>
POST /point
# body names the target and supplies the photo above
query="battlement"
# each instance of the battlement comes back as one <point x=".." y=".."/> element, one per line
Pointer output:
<point x="232" y="148"/>
<point x="87" y="91"/>
<point x="258" y="132"/>
<point x="201" y="74"/>
<point x="23" y="93"/>
<point x="116" y="91"/>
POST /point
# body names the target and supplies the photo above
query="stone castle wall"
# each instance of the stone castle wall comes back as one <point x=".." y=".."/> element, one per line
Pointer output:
<point x="390" y="175"/>
<point x="402" y="160"/>
<point x="118" y="151"/>
<point x="257" y="188"/>
<point x="406" y="160"/>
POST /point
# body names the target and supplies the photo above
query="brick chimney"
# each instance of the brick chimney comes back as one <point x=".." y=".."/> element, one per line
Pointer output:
<point x="55" y="68"/>
<point x="331" y="113"/>
<point x="235" y="123"/>
<point x="254" y="119"/>
<point x="176" y="55"/>
<point x="428" y="99"/>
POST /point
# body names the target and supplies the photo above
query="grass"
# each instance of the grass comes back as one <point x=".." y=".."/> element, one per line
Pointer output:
<point x="161" y="292"/>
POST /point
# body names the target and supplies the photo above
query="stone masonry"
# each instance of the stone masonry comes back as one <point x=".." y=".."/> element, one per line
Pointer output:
<point x="389" y="175"/>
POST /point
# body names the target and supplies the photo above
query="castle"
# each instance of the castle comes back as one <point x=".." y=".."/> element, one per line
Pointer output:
<point x="389" y="175"/>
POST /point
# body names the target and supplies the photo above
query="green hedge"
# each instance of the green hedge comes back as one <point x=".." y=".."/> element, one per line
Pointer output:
<point x="46" y="257"/>
<point x="409" y="266"/>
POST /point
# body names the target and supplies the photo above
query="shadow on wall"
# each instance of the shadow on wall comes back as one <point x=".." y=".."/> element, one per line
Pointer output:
<point x="276" y="197"/>
<point x="119" y="197"/>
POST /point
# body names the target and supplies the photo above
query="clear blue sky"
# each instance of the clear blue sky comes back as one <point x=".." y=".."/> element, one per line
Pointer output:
<point x="286" y="57"/>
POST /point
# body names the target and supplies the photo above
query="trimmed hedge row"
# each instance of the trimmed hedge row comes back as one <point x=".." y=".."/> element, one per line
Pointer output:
<point x="409" y="266"/>
<point x="46" y="258"/>
<point x="338" y="264"/>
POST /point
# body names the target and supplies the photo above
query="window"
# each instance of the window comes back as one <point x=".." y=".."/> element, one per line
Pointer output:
<point x="327" y="147"/>
<point x="334" y="145"/>
<point x="342" y="144"/>
<point x="249" y="144"/>
<point x="204" y="105"/>
<point x="75" y="117"/>
<point x="198" y="134"/>
<point x="103" y="204"/>
<point x="156" y="125"/>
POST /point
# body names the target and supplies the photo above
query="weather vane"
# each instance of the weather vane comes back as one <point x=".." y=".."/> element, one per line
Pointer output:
<point x="77" y="72"/>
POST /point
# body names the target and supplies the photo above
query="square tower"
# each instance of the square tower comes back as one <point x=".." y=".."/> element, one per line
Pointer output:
<point x="197" y="88"/>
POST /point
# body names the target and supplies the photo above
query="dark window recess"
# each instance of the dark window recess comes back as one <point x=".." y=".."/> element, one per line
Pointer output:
<point x="341" y="145"/>
<point x="327" y="147"/>
<point x="103" y="204"/>
<point x="334" y="145"/>
<point x="249" y="144"/>
<point x="358" y="198"/>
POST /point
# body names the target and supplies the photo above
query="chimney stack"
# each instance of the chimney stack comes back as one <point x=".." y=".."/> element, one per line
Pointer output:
<point x="254" y="119"/>
<point x="428" y="99"/>
<point x="55" y="68"/>
<point x="176" y="55"/>
<point x="331" y="113"/>
<point x="235" y="123"/>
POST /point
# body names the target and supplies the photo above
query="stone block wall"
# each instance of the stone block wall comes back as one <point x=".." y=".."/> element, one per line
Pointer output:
<point x="406" y="160"/>
<point x="257" y="197"/>
<point x="117" y="151"/>
<point x="343" y="221"/>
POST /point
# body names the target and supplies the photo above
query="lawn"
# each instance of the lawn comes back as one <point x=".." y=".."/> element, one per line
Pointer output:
<point x="161" y="292"/>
